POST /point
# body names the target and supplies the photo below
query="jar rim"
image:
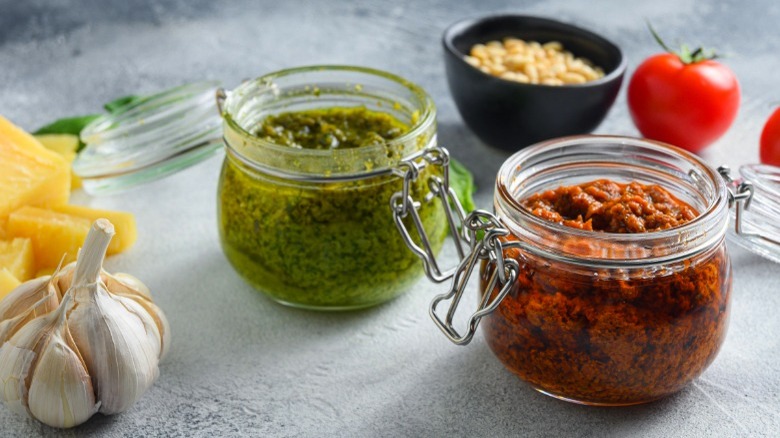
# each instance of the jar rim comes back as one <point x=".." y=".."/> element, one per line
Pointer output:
<point x="704" y="231"/>
<point x="232" y="105"/>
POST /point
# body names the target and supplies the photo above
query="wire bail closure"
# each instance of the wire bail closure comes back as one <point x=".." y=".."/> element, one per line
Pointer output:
<point x="471" y="247"/>
<point x="403" y="205"/>
<point x="741" y="193"/>
<point x="503" y="273"/>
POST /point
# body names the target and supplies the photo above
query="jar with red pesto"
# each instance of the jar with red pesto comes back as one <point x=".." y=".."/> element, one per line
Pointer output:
<point x="634" y="306"/>
<point x="620" y="299"/>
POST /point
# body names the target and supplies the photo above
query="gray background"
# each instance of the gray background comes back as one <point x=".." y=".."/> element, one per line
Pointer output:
<point x="241" y="365"/>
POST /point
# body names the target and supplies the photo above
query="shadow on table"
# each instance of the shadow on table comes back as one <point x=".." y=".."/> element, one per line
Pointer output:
<point x="226" y="302"/>
<point x="472" y="394"/>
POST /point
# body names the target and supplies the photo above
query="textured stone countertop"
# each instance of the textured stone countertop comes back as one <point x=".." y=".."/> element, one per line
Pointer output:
<point x="241" y="365"/>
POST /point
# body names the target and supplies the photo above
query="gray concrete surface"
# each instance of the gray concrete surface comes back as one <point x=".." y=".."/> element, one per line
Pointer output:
<point x="241" y="365"/>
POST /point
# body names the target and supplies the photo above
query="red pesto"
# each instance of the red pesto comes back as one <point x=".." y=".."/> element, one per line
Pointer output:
<point x="623" y="336"/>
<point x="605" y="205"/>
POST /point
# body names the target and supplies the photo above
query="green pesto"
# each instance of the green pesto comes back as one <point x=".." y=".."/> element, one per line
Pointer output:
<point x="330" y="128"/>
<point x="330" y="245"/>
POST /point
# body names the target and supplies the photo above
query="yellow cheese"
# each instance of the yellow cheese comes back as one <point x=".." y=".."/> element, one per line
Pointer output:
<point x="45" y="271"/>
<point x="66" y="146"/>
<point x="53" y="234"/>
<point x="30" y="174"/>
<point x="7" y="282"/>
<point x="16" y="256"/>
<point x="124" y="224"/>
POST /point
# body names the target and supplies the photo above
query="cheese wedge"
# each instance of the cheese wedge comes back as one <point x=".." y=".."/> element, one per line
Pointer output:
<point x="45" y="271"/>
<point x="16" y="256"/>
<point x="7" y="282"/>
<point x="124" y="224"/>
<point x="66" y="145"/>
<point x="53" y="234"/>
<point x="61" y="231"/>
<point x="30" y="174"/>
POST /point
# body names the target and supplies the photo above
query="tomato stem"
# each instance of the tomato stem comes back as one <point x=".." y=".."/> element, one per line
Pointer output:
<point x="658" y="39"/>
<point x="686" y="56"/>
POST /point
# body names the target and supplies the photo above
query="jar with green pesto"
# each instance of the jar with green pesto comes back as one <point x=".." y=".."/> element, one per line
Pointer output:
<point x="306" y="185"/>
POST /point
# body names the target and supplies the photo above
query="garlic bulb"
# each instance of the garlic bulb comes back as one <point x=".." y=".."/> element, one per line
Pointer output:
<point x="93" y="348"/>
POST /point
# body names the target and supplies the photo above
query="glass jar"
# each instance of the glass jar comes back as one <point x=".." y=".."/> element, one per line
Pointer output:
<point x="594" y="317"/>
<point x="310" y="228"/>
<point x="605" y="318"/>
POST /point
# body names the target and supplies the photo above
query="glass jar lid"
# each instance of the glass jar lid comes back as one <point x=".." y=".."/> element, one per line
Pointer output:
<point x="755" y="199"/>
<point x="150" y="139"/>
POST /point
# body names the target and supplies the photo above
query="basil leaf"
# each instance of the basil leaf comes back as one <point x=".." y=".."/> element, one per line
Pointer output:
<point x="462" y="182"/>
<point x="74" y="125"/>
<point x="68" y="125"/>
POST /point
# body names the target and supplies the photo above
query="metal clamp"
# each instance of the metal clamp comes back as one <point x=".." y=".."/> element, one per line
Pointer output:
<point x="489" y="248"/>
<point x="740" y="195"/>
<point x="503" y="273"/>
<point x="403" y="206"/>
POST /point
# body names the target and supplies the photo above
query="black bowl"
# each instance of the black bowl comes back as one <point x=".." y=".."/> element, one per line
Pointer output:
<point x="511" y="115"/>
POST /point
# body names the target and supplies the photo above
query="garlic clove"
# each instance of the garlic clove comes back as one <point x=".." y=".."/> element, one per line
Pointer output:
<point x="61" y="393"/>
<point x="15" y="364"/>
<point x="160" y="321"/>
<point x="126" y="284"/>
<point x="120" y="344"/>
<point x="29" y="294"/>
<point x="23" y="296"/>
<point x="162" y="324"/>
<point x="9" y="327"/>
<point x="17" y="359"/>
<point x="29" y="300"/>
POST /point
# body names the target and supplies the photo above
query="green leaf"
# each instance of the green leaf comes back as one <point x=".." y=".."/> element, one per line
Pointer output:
<point x="74" y="125"/>
<point x="68" y="125"/>
<point x="462" y="182"/>
<point x="121" y="102"/>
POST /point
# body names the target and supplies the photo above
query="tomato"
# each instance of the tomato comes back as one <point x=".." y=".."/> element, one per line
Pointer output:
<point x="689" y="105"/>
<point x="770" y="140"/>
